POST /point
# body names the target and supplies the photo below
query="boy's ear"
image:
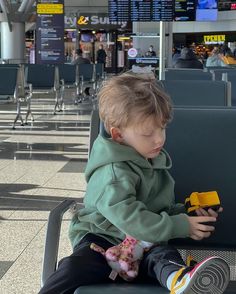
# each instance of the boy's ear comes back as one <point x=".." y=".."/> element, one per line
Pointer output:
<point x="116" y="135"/>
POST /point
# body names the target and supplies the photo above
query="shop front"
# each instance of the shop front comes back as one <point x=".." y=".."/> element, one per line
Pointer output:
<point x="89" y="32"/>
<point x="203" y="43"/>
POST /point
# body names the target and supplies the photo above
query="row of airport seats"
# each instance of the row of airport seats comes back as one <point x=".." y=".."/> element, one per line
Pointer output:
<point x="81" y="76"/>
<point x="198" y="87"/>
<point x="21" y="81"/>
<point x="64" y="76"/>
<point x="201" y="143"/>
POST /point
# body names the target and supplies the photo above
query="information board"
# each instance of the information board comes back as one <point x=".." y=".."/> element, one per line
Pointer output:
<point x="162" y="10"/>
<point x="141" y="10"/>
<point x="50" y="32"/>
<point x="185" y="10"/>
<point x="119" y="10"/>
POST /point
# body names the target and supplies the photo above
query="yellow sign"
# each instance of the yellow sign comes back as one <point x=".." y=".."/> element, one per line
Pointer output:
<point x="82" y="20"/>
<point x="50" y="8"/>
<point x="214" y="39"/>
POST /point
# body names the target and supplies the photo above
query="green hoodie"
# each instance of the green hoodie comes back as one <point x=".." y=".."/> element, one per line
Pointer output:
<point x="128" y="195"/>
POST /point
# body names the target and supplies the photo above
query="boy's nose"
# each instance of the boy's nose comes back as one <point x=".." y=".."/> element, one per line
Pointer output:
<point x="159" y="140"/>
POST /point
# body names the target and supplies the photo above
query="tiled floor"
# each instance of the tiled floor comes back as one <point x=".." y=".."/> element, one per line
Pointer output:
<point x="40" y="165"/>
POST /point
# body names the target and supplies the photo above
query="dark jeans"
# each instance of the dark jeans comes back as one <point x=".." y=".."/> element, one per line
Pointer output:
<point x="87" y="267"/>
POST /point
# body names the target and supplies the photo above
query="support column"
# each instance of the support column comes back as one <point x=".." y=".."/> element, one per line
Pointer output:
<point x="169" y="47"/>
<point x="162" y="51"/>
<point x="13" y="42"/>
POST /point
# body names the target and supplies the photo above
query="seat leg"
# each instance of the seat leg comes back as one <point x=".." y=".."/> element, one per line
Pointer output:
<point x="62" y="95"/>
<point x="57" y="103"/>
<point x="18" y="114"/>
<point x="29" y="112"/>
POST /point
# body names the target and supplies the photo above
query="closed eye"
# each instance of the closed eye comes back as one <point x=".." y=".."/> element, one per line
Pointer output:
<point x="147" y="135"/>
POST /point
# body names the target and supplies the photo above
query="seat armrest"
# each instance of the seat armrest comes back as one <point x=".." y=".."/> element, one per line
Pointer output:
<point x="52" y="238"/>
<point x="94" y="129"/>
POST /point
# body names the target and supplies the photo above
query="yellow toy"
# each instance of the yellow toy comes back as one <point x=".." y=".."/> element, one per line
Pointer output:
<point x="202" y="200"/>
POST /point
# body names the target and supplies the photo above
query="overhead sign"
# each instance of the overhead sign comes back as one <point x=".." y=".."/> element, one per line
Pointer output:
<point x="100" y="21"/>
<point x="185" y="10"/>
<point x="94" y="22"/>
<point x="50" y="8"/>
<point x="141" y="10"/>
<point x="214" y="39"/>
<point x="50" y="32"/>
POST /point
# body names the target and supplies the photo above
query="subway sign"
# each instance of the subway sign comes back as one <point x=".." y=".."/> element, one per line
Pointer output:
<point x="214" y="39"/>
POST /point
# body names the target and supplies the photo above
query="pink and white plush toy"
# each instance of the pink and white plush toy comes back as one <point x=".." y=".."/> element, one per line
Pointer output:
<point x="124" y="259"/>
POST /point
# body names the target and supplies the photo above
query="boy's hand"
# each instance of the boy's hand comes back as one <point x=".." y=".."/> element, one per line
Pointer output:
<point x="198" y="227"/>
<point x="208" y="212"/>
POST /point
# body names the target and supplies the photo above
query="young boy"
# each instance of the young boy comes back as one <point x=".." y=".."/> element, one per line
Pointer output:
<point x="130" y="192"/>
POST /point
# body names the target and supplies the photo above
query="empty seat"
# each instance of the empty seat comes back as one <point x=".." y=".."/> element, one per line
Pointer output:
<point x="230" y="75"/>
<point x="43" y="78"/>
<point x="87" y="77"/>
<point x="188" y="74"/>
<point x="68" y="75"/>
<point x="86" y="72"/>
<point x="8" y="83"/>
<point x="12" y="86"/>
<point x="198" y="93"/>
<point x="219" y="71"/>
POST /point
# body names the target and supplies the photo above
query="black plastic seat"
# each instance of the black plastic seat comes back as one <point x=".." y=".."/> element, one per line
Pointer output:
<point x="188" y="74"/>
<point x="125" y="288"/>
<point x="198" y="93"/>
<point x="44" y="78"/>
<point x="12" y="86"/>
<point x="68" y="76"/>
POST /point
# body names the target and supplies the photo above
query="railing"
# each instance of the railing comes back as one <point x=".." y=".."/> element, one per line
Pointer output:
<point x="13" y="61"/>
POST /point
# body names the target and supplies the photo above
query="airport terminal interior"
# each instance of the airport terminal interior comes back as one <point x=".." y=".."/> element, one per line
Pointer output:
<point x="46" y="109"/>
<point x="41" y="165"/>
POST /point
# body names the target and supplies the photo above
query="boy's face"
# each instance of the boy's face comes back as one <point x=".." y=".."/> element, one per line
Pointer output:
<point x="147" y="138"/>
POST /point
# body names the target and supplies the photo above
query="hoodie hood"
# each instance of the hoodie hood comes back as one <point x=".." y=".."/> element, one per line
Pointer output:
<point x="109" y="151"/>
<point x="187" y="53"/>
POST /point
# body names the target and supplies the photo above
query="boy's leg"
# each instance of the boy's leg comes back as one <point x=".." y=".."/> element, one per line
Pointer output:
<point x="159" y="262"/>
<point x="83" y="267"/>
<point x="165" y="264"/>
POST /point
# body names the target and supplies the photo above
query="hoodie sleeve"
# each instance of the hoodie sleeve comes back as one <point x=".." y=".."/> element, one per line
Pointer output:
<point x="177" y="208"/>
<point x="119" y="205"/>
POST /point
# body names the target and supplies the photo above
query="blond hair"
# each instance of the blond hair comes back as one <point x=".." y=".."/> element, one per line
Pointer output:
<point x="126" y="97"/>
